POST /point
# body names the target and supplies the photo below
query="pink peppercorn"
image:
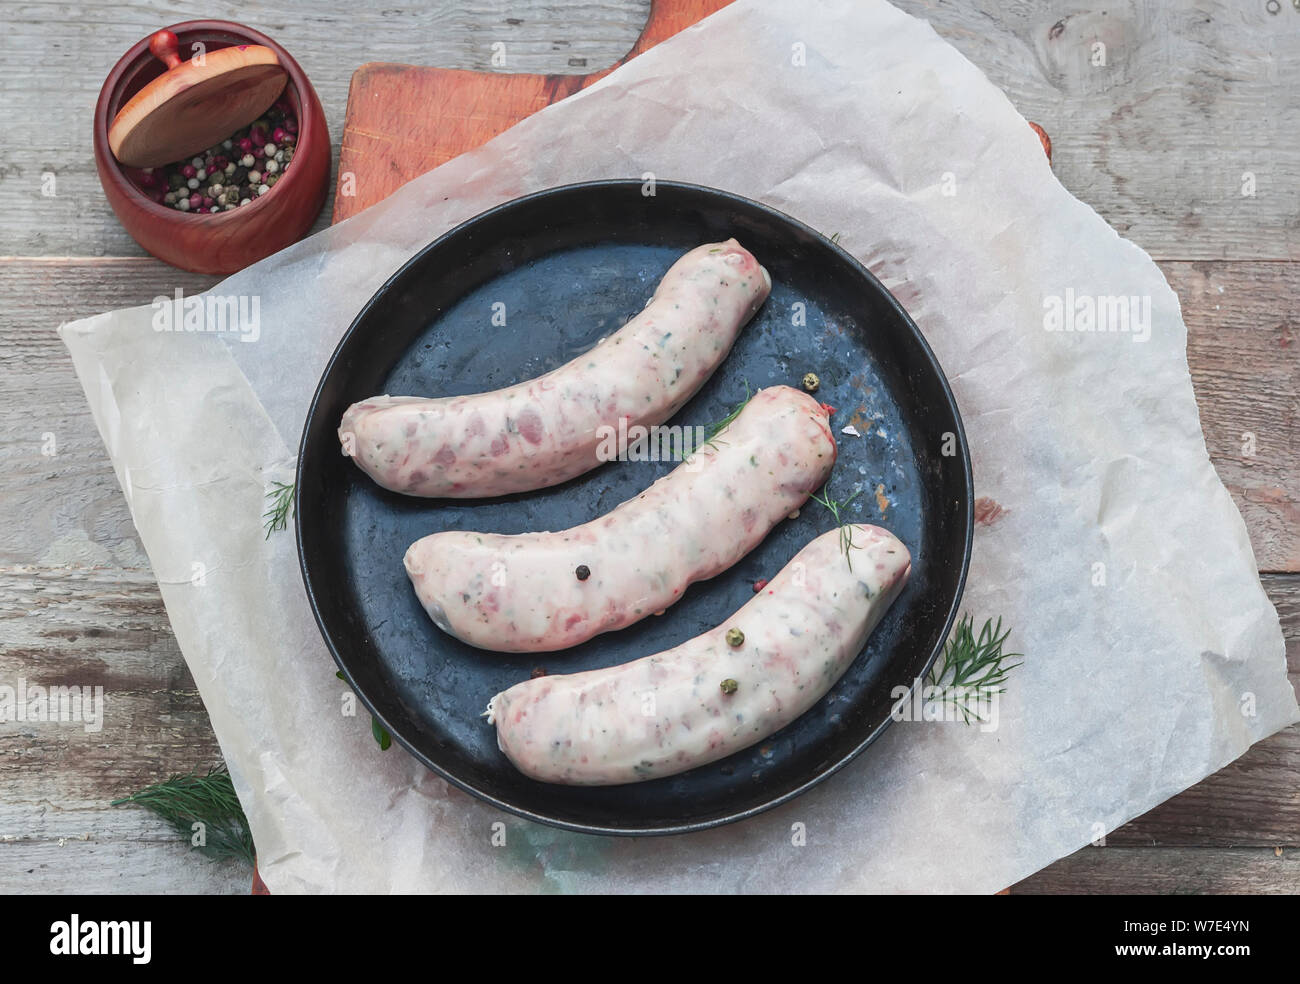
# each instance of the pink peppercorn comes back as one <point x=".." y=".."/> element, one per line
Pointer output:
<point x="291" y="125"/>
<point x="207" y="202"/>
<point x="257" y="135"/>
<point x="258" y="152"/>
<point x="246" y="145"/>
<point x="196" y="201"/>
<point x="189" y="170"/>
<point x="277" y="134"/>
<point x="148" y="180"/>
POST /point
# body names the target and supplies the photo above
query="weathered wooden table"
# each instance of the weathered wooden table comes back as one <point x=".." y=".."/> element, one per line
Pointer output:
<point x="1178" y="121"/>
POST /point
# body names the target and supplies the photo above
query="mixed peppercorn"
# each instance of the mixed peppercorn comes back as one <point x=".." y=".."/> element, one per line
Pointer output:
<point x="235" y="172"/>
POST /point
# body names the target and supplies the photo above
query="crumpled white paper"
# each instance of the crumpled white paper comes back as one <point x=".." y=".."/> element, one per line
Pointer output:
<point x="1154" y="657"/>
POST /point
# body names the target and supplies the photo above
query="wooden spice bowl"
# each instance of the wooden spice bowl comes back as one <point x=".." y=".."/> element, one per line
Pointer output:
<point x="221" y="242"/>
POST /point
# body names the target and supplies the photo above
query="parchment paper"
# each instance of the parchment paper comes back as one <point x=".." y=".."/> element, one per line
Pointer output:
<point x="1153" y="656"/>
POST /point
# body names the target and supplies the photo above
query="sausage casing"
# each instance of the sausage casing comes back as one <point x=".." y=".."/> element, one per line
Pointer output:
<point x="526" y="592"/>
<point x="546" y="430"/>
<point x="672" y="711"/>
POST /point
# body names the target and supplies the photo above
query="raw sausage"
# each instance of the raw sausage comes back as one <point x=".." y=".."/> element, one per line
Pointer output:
<point x="538" y="592"/>
<point x="546" y="430"/>
<point x="708" y="697"/>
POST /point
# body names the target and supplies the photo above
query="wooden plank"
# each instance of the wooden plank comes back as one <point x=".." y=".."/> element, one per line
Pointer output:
<point x="1189" y="99"/>
<point x="106" y="850"/>
<point x="1158" y="871"/>
<point x="88" y="627"/>
<point x="71" y="506"/>
<point x="96" y="627"/>
<point x="1243" y="348"/>
<point x="404" y="120"/>
<point x="1156" y="140"/>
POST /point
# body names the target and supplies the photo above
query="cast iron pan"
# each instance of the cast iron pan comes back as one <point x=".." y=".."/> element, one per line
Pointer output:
<point x="567" y="266"/>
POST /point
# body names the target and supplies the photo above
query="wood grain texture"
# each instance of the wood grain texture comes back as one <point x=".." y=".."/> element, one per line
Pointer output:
<point x="105" y="851"/>
<point x="1195" y="95"/>
<point x="404" y="120"/>
<point x="1156" y="871"/>
<point x="98" y="626"/>
<point x="1243" y="348"/>
<point x="1191" y="97"/>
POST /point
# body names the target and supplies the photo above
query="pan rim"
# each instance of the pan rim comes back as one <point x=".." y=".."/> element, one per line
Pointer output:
<point x="723" y="196"/>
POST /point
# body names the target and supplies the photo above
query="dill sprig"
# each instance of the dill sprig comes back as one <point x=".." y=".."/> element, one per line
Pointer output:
<point x="208" y="799"/>
<point x="726" y="421"/>
<point x="836" y="507"/>
<point x="277" y="517"/>
<point x="973" y="666"/>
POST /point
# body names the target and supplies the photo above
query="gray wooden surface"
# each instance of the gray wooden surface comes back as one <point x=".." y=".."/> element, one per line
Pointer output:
<point x="1192" y="96"/>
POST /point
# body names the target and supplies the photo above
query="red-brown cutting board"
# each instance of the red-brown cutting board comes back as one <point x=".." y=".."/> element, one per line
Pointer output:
<point x="403" y="120"/>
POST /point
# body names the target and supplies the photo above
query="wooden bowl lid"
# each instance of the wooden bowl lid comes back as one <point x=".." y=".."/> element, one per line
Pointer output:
<point x="194" y="104"/>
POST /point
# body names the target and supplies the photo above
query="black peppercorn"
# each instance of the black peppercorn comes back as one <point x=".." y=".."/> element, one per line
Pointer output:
<point x="583" y="572"/>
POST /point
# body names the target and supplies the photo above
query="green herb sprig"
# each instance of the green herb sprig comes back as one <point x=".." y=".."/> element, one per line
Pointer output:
<point x="208" y="799"/>
<point x="716" y="429"/>
<point x="836" y="509"/>
<point x="277" y="517"/>
<point x="973" y="664"/>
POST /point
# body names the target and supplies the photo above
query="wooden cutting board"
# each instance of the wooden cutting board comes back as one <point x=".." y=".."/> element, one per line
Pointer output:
<point x="404" y="120"/>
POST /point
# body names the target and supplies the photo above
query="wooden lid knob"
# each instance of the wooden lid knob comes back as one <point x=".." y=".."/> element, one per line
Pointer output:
<point x="166" y="47"/>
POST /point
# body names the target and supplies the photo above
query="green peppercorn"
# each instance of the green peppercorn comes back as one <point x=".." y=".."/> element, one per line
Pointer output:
<point x="735" y="637"/>
<point x="811" y="382"/>
<point x="729" y="686"/>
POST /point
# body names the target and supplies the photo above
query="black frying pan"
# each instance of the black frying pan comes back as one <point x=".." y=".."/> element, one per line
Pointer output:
<point x="567" y="266"/>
